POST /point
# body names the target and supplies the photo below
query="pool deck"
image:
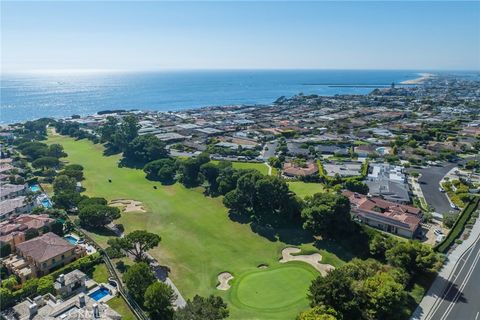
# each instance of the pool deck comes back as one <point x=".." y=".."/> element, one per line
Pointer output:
<point x="112" y="294"/>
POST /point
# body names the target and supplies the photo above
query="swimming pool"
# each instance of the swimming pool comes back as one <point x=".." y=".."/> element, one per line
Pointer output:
<point x="46" y="203"/>
<point x="71" y="239"/>
<point x="381" y="150"/>
<point x="35" y="188"/>
<point x="99" y="294"/>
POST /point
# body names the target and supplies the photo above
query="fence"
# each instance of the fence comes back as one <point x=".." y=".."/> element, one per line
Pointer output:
<point x="132" y="304"/>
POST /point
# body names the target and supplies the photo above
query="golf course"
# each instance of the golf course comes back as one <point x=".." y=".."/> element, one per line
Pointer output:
<point x="200" y="241"/>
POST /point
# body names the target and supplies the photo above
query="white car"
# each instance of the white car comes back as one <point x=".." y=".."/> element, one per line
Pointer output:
<point x="453" y="206"/>
<point x="438" y="232"/>
<point x="441" y="189"/>
<point x="439" y="238"/>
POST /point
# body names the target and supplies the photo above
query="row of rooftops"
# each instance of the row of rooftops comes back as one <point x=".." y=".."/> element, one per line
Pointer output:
<point x="401" y="215"/>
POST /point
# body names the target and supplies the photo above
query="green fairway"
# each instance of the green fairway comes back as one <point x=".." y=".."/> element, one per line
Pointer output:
<point x="262" y="167"/>
<point x="303" y="189"/>
<point x="274" y="289"/>
<point x="199" y="240"/>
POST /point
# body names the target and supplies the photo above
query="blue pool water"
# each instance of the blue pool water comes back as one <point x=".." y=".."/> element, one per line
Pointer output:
<point x="35" y="188"/>
<point x="46" y="203"/>
<point x="71" y="239"/>
<point x="99" y="294"/>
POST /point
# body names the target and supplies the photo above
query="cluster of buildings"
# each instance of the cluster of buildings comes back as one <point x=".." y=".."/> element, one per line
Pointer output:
<point x="76" y="297"/>
<point x="342" y="132"/>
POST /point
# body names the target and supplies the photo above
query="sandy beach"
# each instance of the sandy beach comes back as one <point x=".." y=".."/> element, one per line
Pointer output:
<point x="421" y="79"/>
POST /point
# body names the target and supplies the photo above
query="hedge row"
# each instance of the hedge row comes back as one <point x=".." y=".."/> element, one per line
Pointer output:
<point x="459" y="226"/>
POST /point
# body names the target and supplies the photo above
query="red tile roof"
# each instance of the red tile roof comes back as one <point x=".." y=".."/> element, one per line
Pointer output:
<point x="45" y="247"/>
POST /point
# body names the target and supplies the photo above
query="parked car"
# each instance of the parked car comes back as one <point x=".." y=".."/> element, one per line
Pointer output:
<point x="441" y="189"/>
<point x="439" y="238"/>
<point x="438" y="232"/>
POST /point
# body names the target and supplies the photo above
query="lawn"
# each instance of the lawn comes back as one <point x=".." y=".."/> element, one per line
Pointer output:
<point x="259" y="166"/>
<point x="199" y="240"/>
<point x="281" y="287"/>
<point x="119" y="305"/>
<point x="303" y="189"/>
<point x="100" y="273"/>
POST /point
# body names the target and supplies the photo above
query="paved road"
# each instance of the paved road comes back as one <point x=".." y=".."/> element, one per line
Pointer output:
<point x="429" y="182"/>
<point x="461" y="299"/>
<point x="272" y="146"/>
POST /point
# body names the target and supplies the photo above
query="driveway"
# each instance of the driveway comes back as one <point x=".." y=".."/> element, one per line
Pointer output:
<point x="429" y="182"/>
<point x="271" y="146"/>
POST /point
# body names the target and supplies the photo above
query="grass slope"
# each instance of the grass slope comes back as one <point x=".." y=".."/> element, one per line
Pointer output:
<point x="198" y="239"/>
<point x="303" y="189"/>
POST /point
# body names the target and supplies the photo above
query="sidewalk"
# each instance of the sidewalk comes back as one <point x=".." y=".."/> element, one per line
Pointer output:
<point x="439" y="285"/>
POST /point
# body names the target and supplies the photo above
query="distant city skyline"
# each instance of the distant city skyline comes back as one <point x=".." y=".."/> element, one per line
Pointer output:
<point x="131" y="36"/>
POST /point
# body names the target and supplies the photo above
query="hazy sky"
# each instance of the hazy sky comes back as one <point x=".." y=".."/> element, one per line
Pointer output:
<point x="158" y="35"/>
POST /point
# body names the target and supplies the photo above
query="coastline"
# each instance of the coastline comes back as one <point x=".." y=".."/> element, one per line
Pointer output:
<point x="421" y="79"/>
<point x="32" y="97"/>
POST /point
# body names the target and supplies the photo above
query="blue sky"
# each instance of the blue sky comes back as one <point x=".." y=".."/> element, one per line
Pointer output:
<point x="224" y="35"/>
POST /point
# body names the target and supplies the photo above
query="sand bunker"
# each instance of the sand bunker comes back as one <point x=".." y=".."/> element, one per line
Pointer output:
<point x="262" y="266"/>
<point x="223" y="279"/>
<point x="128" y="205"/>
<point x="312" y="259"/>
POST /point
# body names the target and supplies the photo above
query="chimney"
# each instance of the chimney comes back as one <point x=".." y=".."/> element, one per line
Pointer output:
<point x="38" y="300"/>
<point x="81" y="300"/>
<point x="32" y="309"/>
<point x="96" y="311"/>
<point x="61" y="279"/>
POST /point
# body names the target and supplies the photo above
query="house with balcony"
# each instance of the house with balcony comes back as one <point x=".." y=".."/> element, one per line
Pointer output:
<point x="41" y="255"/>
<point x="392" y="217"/>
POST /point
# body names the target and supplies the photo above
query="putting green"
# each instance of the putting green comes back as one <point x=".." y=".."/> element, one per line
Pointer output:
<point x="274" y="289"/>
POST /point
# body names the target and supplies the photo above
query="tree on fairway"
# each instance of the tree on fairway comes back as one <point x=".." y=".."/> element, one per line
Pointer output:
<point x="327" y="215"/>
<point x="56" y="150"/>
<point x="97" y="215"/>
<point x="45" y="163"/>
<point x="136" y="243"/>
<point x="138" y="278"/>
<point x="158" y="301"/>
<point x="200" y="308"/>
<point x="335" y="290"/>
<point x="64" y="183"/>
<point x="145" y="148"/>
<point x="319" y="313"/>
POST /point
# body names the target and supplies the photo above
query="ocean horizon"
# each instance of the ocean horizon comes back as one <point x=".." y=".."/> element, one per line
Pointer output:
<point x="28" y="96"/>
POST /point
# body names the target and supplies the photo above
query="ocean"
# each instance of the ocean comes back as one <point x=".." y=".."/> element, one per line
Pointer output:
<point x="30" y="96"/>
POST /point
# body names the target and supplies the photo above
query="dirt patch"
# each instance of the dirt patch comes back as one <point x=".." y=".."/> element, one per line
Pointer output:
<point x="262" y="266"/>
<point x="223" y="279"/>
<point x="312" y="259"/>
<point x="127" y="205"/>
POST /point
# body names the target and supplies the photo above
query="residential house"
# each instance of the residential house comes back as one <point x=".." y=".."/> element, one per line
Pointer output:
<point x="388" y="182"/>
<point x="48" y="307"/>
<point x="13" y="231"/>
<point x="41" y="255"/>
<point x="293" y="170"/>
<point x="388" y="216"/>
<point x="15" y="206"/>
<point x="9" y="191"/>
